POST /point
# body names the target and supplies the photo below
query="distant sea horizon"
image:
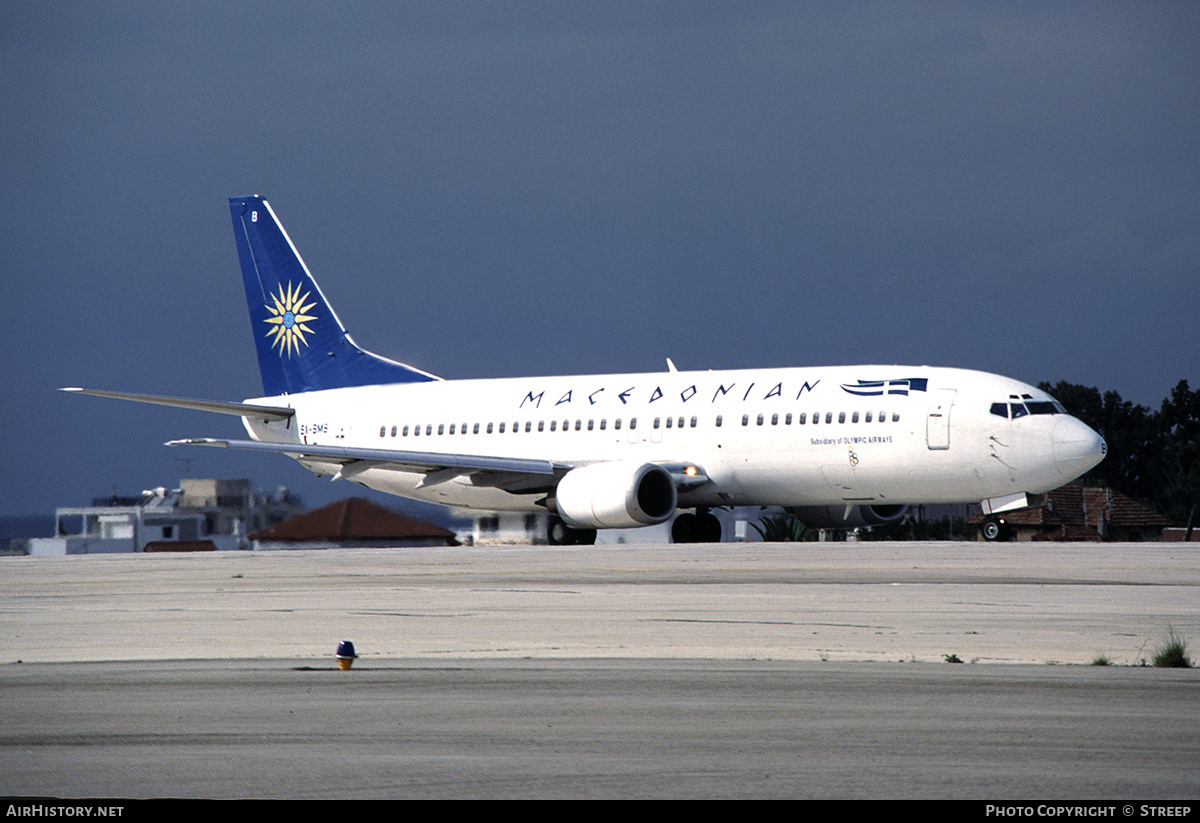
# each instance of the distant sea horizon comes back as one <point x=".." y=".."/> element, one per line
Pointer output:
<point x="24" y="526"/>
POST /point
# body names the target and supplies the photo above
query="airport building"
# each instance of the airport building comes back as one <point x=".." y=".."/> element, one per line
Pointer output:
<point x="200" y="515"/>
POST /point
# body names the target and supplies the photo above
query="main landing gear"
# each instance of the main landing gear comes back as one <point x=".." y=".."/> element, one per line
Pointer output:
<point x="701" y="527"/>
<point x="559" y="533"/>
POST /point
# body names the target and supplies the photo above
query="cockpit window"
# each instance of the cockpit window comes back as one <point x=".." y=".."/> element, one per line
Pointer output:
<point x="1014" y="410"/>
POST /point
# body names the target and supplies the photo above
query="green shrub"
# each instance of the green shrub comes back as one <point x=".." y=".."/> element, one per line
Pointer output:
<point x="783" y="528"/>
<point x="1172" y="654"/>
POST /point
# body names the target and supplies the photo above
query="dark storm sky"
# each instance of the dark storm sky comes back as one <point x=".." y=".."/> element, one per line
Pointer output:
<point x="499" y="189"/>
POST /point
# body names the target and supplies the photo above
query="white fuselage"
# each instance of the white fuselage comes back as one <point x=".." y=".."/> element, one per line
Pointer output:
<point x="879" y="435"/>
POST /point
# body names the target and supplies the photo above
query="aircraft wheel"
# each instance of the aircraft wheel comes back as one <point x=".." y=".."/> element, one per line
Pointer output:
<point x="710" y="528"/>
<point x="993" y="531"/>
<point x="558" y="533"/>
<point x="684" y="529"/>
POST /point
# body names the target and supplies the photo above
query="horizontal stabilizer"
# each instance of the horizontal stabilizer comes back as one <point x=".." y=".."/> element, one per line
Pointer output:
<point x="220" y="407"/>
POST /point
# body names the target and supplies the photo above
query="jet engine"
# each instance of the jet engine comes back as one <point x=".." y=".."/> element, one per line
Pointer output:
<point x="834" y="517"/>
<point x="616" y="495"/>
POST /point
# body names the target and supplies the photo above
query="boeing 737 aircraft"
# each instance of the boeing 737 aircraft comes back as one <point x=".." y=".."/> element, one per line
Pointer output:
<point x="837" y="446"/>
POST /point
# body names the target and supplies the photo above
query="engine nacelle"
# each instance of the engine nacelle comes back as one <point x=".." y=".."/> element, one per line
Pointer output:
<point x="616" y="495"/>
<point x="833" y="517"/>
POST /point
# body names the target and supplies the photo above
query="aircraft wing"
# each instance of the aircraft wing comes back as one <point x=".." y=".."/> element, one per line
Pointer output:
<point x="514" y="474"/>
<point x="518" y="475"/>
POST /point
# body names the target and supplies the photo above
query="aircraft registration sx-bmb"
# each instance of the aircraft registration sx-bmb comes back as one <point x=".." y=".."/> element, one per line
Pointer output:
<point x="836" y="446"/>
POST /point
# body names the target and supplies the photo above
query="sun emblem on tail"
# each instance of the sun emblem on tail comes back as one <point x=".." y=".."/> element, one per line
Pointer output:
<point x="289" y="314"/>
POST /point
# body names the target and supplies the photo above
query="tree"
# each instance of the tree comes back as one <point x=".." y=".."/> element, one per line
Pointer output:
<point x="1132" y="435"/>
<point x="1179" y="422"/>
<point x="1152" y="456"/>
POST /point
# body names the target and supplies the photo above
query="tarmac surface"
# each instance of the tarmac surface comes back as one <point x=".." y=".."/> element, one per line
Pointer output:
<point x="735" y="670"/>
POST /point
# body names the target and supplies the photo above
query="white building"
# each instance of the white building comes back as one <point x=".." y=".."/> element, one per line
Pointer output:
<point x="201" y="515"/>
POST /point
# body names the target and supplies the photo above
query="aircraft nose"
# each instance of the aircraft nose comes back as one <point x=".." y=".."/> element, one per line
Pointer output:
<point x="1076" y="447"/>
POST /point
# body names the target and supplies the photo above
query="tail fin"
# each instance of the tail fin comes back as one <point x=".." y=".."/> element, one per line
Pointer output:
<point x="302" y="346"/>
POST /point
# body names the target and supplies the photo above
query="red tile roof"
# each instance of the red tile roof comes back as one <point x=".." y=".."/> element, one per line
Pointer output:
<point x="352" y="519"/>
<point x="1075" y="505"/>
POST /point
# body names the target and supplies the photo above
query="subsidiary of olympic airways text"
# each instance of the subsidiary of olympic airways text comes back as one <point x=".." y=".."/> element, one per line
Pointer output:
<point x="1046" y="810"/>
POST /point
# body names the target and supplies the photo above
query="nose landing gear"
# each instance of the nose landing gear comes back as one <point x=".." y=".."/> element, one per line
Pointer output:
<point x="994" y="530"/>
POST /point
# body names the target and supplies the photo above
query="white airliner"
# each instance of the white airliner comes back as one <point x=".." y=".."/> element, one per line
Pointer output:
<point x="837" y="446"/>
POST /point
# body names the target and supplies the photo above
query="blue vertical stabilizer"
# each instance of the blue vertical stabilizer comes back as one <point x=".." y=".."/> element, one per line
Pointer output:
<point x="301" y="344"/>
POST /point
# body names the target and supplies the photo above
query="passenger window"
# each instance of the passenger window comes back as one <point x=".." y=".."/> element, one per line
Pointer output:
<point x="854" y="418"/>
<point x="719" y="419"/>
<point x="617" y="423"/>
<point x="802" y="419"/>
<point x="591" y="424"/>
<point x="693" y="422"/>
<point x="760" y="420"/>
<point x="774" y="420"/>
<point x="404" y="432"/>
<point x="841" y="417"/>
<point x="603" y="423"/>
<point x="656" y="422"/>
<point x="828" y="417"/>
<point x="895" y="417"/>
<point x="632" y="423"/>
<point x="868" y="420"/>
<point x="382" y="430"/>
<point x="745" y="420"/>
<point x="541" y="425"/>
<point x="489" y="428"/>
<point x="416" y="431"/>
<point x="475" y="429"/>
<point x="528" y="426"/>
<point x="452" y="428"/>
<point x="501" y="428"/>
